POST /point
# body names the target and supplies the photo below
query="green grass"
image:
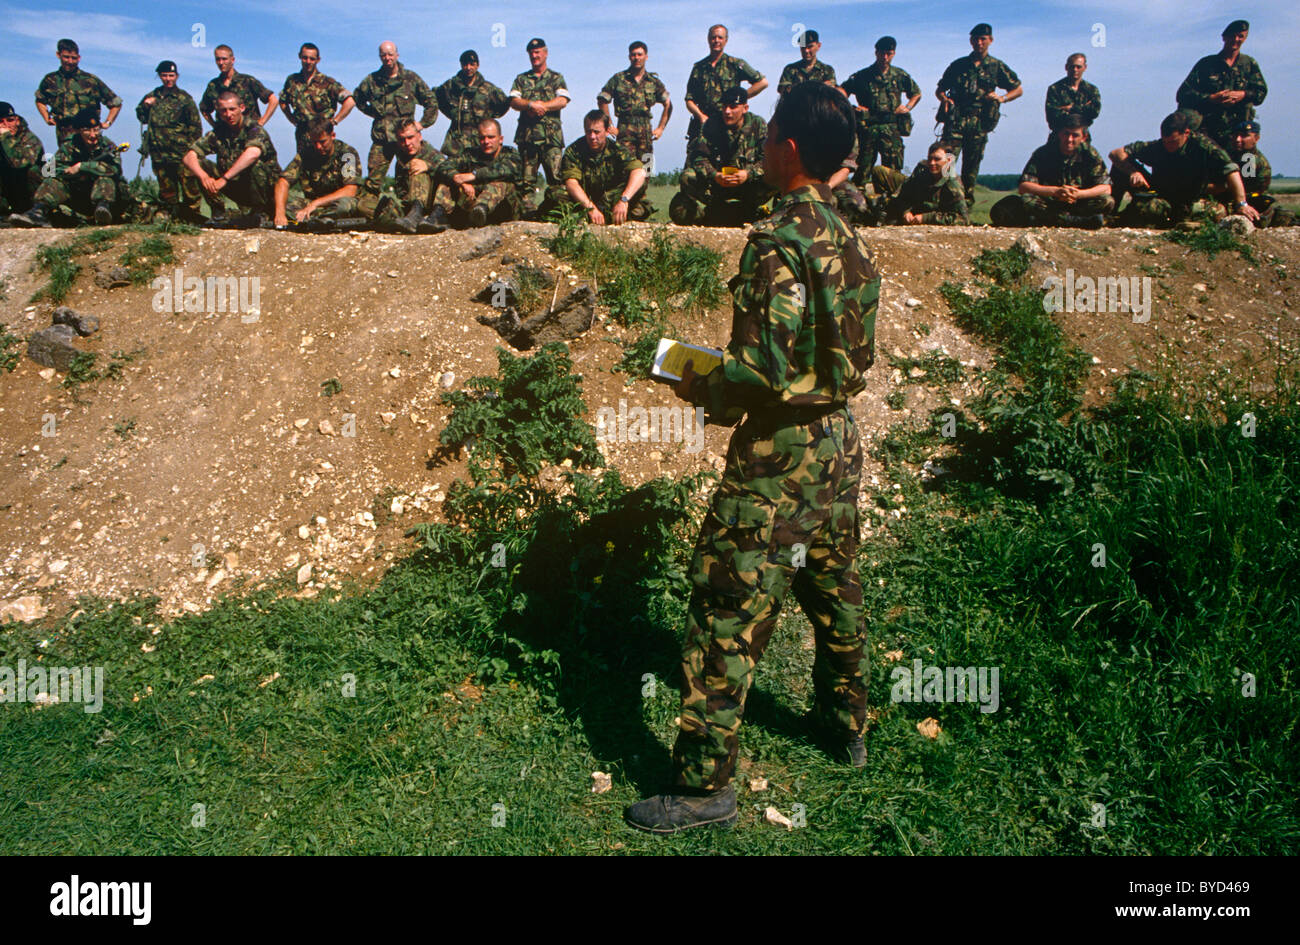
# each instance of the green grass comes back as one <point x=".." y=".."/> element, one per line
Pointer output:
<point x="10" y="349"/>
<point x="62" y="261"/>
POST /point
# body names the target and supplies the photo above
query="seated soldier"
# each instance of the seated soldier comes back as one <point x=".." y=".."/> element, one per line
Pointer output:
<point x="931" y="195"/>
<point x="246" y="168"/>
<point x="722" y="183"/>
<point x="601" y="177"/>
<point x="327" y="170"/>
<point x="1174" y="177"/>
<point x="21" y="154"/>
<point x="1257" y="175"/>
<point x="849" y="201"/>
<point x="479" y="186"/>
<point x="418" y="165"/>
<point x="87" y="179"/>
<point x="1063" y="184"/>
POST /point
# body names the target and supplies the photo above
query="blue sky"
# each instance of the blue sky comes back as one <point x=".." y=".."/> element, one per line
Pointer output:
<point x="1148" y="49"/>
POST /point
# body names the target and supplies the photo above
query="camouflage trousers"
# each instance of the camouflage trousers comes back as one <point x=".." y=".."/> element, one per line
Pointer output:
<point x="458" y="142"/>
<point x="852" y="205"/>
<point x="178" y="191"/>
<point x="498" y="198"/>
<point x="81" y="192"/>
<point x="882" y="140"/>
<point x="371" y="203"/>
<point x="970" y="145"/>
<point x="701" y="201"/>
<point x="337" y="209"/>
<point x="380" y="157"/>
<point x="1271" y="213"/>
<point x="251" y="192"/>
<point x="1150" y="211"/>
<point x="18" y="188"/>
<point x="547" y="157"/>
<point x="637" y="139"/>
<point x="638" y="209"/>
<point x="784" y="518"/>
<point x="1028" y="210"/>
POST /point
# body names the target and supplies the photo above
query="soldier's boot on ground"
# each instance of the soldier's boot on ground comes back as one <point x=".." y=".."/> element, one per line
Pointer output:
<point x="103" y="213"/>
<point x="685" y="210"/>
<point x="857" y="752"/>
<point x="435" y="222"/>
<point x="478" y="216"/>
<point x="411" y="222"/>
<point x="36" y="218"/>
<point x="1092" y="221"/>
<point x="671" y="813"/>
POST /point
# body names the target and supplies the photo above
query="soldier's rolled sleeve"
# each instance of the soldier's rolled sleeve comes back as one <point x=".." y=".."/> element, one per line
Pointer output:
<point x="1007" y="78"/>
<point x="108" y="97"/>
<point x="570" y="168"/>
<point x="261" y="91"/>
<point x="424" y="95"/>
<point x="748" y="72"/>
<point x="292" y="172"/>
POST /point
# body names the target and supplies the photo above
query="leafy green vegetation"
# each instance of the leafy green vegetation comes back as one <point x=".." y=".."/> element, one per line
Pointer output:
<point x="330" y="387"/>
<point x="61" y="260"/>
<point x="10" y="345"/>
<point x="1212" y="239"/>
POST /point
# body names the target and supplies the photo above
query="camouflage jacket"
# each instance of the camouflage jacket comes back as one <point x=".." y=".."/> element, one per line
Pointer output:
<point x="102" y="160"/>
<point x="632" y="99"/>
<point x="532" y="87"/>
<point x="1049" y="167"/>
<point x="708" y="82"/>
<point x="318" y="98"/>
<point x="466" y="104"/>
<point x="968" y="83"/>
<point x="795" y="74"/>
<point x="64" y="95"/>
<point x="1212" y="74"/>
<point x="250" y="91"/>
<point x="22" y="149"/>
<point x="506" y="166"/>
<point x="318" y="176"/>
<point x="227" y="144"/>
<point x="937" y="201"/>
<point x="1256" y="172"/>
<point x="1181" y="177"/>
<point x="880" y="93"/>
<point x="1063" y="100"/>
<point x="598" y="173"/>
<point x="173" y="124"/>
<point x="803" y="314"/>
<point x="402" y="176"/>
<point x="720" y="146"/>
<point x="390" y="101"/>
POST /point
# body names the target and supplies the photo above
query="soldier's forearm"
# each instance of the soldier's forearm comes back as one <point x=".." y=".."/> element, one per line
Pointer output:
<point x="344" y="109"/>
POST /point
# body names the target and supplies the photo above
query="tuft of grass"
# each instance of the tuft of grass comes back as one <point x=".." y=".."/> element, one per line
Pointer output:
<point x="9" y="349"/>
<point x="124" y="428"/>
<point x="62" y="260"/>
<point x="329" y="388"/>
<point x="144" y="258"/>
<point x="1212" y="239"/>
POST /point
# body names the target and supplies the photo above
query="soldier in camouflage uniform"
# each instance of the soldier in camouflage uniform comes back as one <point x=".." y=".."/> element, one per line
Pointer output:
<point x="723" y="183"/>
<point x="310" y="93"/>
<point x="1224" y="88"/>
<point x="87" y="179"/>
<point x="931" y="195"/>
<point x="1063" y="184"/>
<point x="171" y="120"/>
<point x="418" y="167"/>
<point x="711" y="76"/>
<point x="634" y="92"/>
<point x="67" y="92"/>
<point x="969" y="110"/>
<point x="246" y="167"/>
<point x="784" y="519"/>
<point x="1176" y="176"/>
<point x="389" y="96"/>
<point x="467" y="99"/>
<point x="602" y="178"/>
<point x="849" y="200"/>
<point x="328" y="172"/>
<point x="1257" y="176"/>
<point x="1072" y="96"/>
<point x="538" y="95"/>
<point x="883" y="120"/>
<point x="21" y="155"/>
<point x="807" y="68"/>
<point x="250" y="91"/>
<point x="479" y="186"/>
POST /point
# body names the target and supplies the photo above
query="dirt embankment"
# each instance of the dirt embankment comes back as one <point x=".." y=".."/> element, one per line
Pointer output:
<point x="238" y="446"/>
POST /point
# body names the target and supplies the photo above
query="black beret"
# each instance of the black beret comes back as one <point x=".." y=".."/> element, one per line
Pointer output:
<point x="1247" y="127"/>
<point x="86" y="118"/>
<point x="536" y="43"/>
<point x="735" y="96"/>
<point x="6" y="110"/>
<point x="982" y="29"/>
<point x="166" y="66"/>
<point x="1236" y="26"/>
<point x="810" y="37"/>
<point x="886" y="43"/>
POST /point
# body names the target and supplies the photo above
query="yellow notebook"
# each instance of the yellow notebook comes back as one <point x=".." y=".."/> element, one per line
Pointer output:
<point x="671" y="358"/>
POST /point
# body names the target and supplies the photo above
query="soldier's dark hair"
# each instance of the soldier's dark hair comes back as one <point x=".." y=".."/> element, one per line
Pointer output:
<point x="821" y="123"/>
<point x="638" y="45"/>
<point x="1174" y="122"/>
<point x="1071" y="122"/>
<point x="408" y="123"/>
<point x="593" y="116"/>
<point x="229" y="93"/>
<point x="67" y="45"/>
<point x="936" y="146"/>
<point x="1073" y="56"/>
<point x="317" y="128"/>
<point x="312" y="46"/>
<point x="490" y="121"/>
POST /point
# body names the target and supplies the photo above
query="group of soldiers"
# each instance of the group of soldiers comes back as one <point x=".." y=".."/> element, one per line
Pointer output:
<point x="1206" y="160"/>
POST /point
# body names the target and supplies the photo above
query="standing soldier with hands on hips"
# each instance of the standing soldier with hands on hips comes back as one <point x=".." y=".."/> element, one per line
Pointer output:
<point x="785" y="516"/>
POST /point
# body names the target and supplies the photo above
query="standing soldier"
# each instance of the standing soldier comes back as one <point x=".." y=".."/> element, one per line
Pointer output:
<point x="480" y="185"/>
<point x="970" y="100"/>
<point x="87" y="178"/>
<point x="807" y="68"/>
<point x="1072" y="95"/>
<point x="249" y="90"/>
<point x="538" y="95"/>
<point x="1257" y="175"/>
<point x="722" y="183"/>
<point x="311" y="94"/>
<point x="67" y="91"/>
<point x="601" y="177"/>
<point x="784" y="519"/>
<point x="172" y="120"/>
<point x="1224" y="88"/>
<point x="246" y="168"/>
<point x="328" y="172"/>
<point x="634" y="92"/>
<point x="711" y="76"/>
<point x="466" y="99"/>
<point x="21" y="153"/>
<point x="389" y="96"/>
<point x="883" y="120"/>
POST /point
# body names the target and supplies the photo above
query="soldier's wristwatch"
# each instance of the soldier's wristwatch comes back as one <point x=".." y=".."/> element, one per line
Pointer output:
<point x="624" y="199"/>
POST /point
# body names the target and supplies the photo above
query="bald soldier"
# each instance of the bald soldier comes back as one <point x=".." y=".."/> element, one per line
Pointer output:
<point x="713" y="75"/>
<point x="389" y="96"/>
<point x="249" y="89"/>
